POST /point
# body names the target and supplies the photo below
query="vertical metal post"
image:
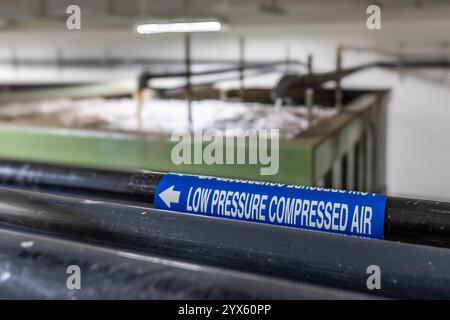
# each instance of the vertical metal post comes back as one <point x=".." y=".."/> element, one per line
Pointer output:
<point x="241" y="66"/>
<point x="309" y="94"/>
<point x="187" y="51"/>
<point x="361" y="164"/>
<point x="288" y="58"/>
<point x="338" y="89"/>
<point x="379" y="145"/>
<point x="309" y="101"/>
<point x="140" y="99"/>
<point x="351" y="169"/>
<point x="140" y="108"/>
<point x="370" y="159"/>
<point x="337" y="174"/>
<point x="310" y="64"/>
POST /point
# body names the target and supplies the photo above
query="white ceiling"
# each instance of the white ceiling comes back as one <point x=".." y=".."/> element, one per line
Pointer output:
<point x="120" y="14"/>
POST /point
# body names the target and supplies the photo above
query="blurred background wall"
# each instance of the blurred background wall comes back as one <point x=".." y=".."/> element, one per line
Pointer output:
<point x="419" y="113"/>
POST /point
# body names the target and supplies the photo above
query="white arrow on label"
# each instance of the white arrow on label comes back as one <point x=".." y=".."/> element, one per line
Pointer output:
<point x="169" y="196"/>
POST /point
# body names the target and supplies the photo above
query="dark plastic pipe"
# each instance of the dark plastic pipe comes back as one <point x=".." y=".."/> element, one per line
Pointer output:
<point x="407" y="270"/>
<point x="122" y="185"/>
<point x="35" y="267"/>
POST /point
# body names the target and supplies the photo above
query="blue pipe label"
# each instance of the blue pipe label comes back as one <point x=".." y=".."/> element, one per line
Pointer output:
<point x="343" y="212"/>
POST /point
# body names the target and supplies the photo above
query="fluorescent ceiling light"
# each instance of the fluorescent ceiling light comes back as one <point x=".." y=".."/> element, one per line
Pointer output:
<point x="183" y="27"/>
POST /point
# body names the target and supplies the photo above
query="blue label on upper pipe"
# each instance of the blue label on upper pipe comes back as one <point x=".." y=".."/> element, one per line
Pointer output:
<point x="343" y="212"/>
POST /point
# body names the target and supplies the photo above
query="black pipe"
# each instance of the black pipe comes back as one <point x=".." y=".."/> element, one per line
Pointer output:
<point x="120" y="185"/>
<point x="418" y="221"/>
<point x="295" y="82"/>
<point x="212" y="82"/>
<point x="407" y="220"/>
<point x="407" y="271"/>
<point x="35" y="267"/>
